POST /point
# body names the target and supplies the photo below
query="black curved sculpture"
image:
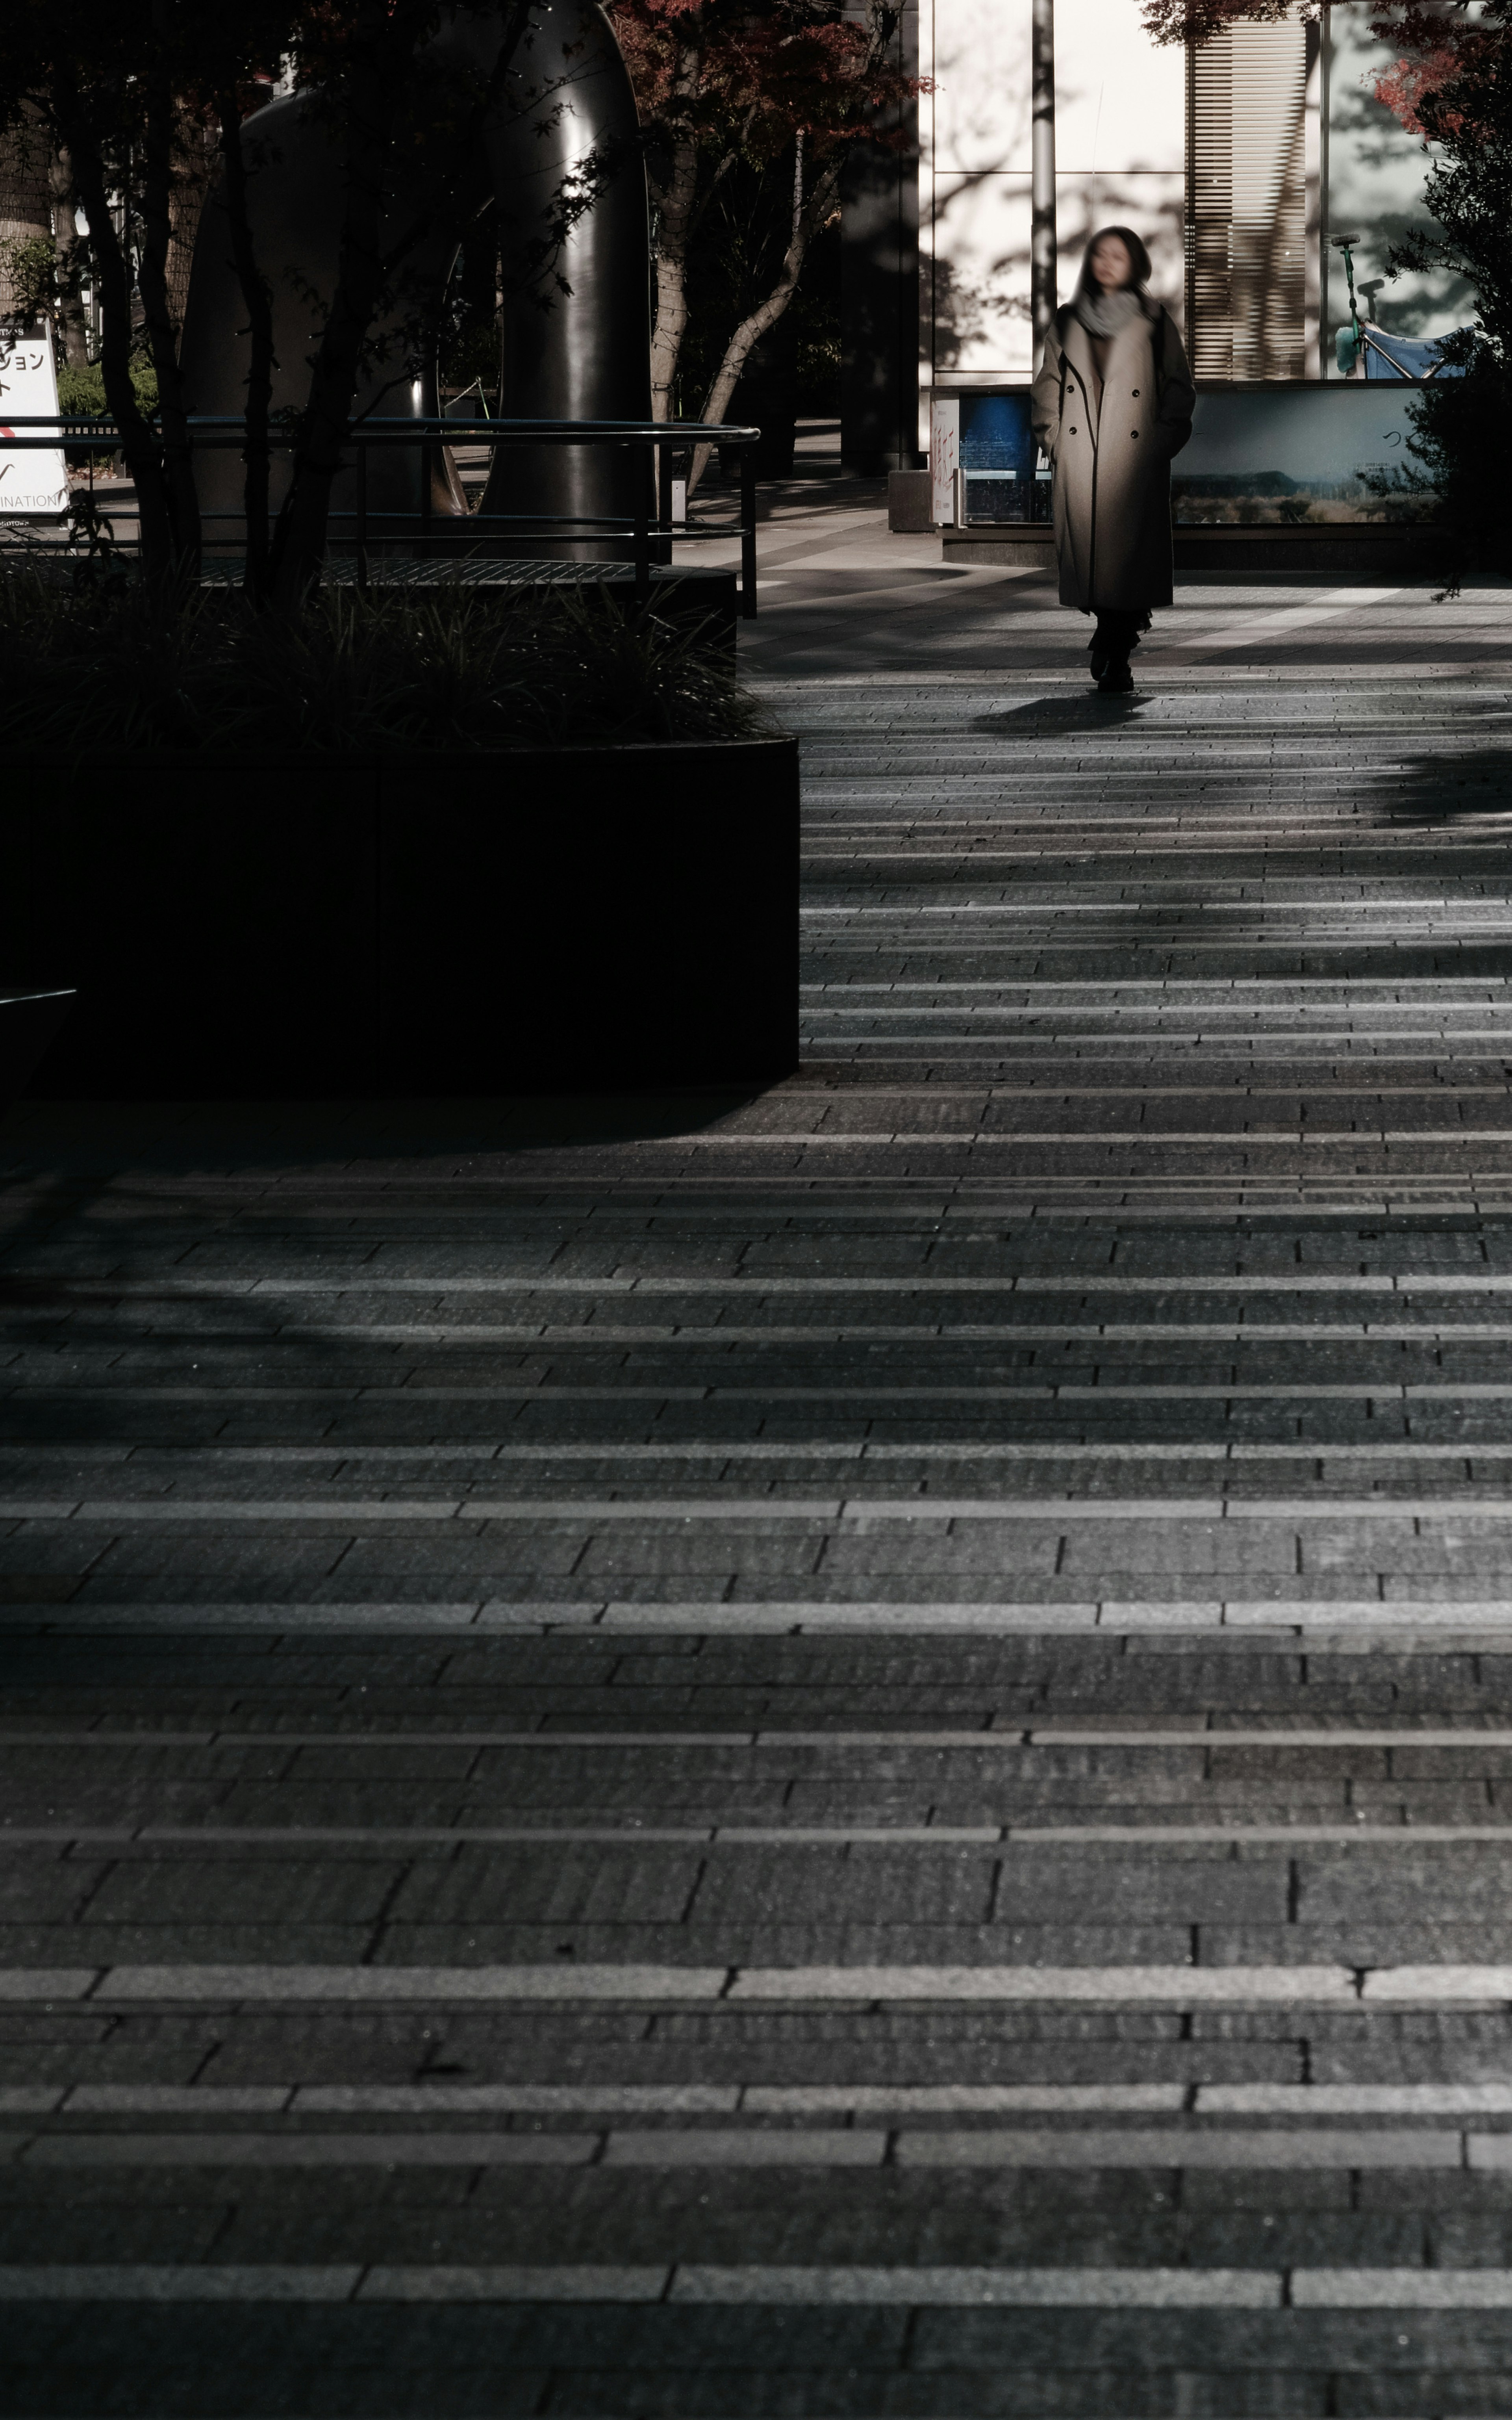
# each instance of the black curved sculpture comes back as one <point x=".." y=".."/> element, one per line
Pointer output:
<point x="576" y="339"/>
<point x="583" y="354"/>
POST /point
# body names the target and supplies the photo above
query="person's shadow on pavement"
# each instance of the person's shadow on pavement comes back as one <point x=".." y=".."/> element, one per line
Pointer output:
<point x="1088" y="710"/>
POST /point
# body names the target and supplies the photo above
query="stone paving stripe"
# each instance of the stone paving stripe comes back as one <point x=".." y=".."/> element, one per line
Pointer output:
<point x="1405" y="1835"/>
<point x="938" y="1139"/>
<point x="1245" y="2289"/>
<point x="175" y="2099"/>
<point x="918" y="1836"/>
<point x="1305" y="1986"/>
<point x="862" y="1511"/>
<point x="1132" y="1986"/>
<point x="323" y="2150"/>
<point x="879" y="1392"/>
<point x="758" y="2100"/>
<point x="868" y="2100"/>
<point x="1446" y="992"/>
<point x="1424" y="1986"/>
<point x="784" y="2147"/>
<point x="138" y="2282"/>
<point x="930" y="1327"/>
<point x="1348" y="679"/>
<point x="1489" y="1620"/>
<point x="398" y="1984"/>
<point x="1299" y="1735"/>
<point x="1465" y="915"/>
<point x="1134" y="2147"/>
<point x="1096" y="1282"/>
<point x="1318" y="1614"/>
<point x="212" y="1508"/>
<point x="555" y="2285"/>
<point x="1402" y="1835"/>
<point x="1396" y="2289"/>
<point x="1314" y="2148"/>
<point x="32" y="1983"/>
<point x="544" y="2100"/>
<point x="1107" y="2289"/>
<point x="865" y="1450"/>
<point x="1383" y="1392"/>
<point x="1353" y="2100"/>
<point x="1006" y="1739"/>
<point x="379" y="1617"/>
<point x="82" y="1392"/>
<point x="1487" y="2151"/>
<point x="842" y="1205"/>
<point x="735" y="1620"/>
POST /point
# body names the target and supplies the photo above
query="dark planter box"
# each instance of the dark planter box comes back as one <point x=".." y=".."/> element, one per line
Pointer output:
<point x="30" y="1020"/>
<point x="550" y="919"/>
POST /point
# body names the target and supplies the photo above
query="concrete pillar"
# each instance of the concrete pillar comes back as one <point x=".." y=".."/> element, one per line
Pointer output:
<point x="879" y="296"/>
<point x="1042" y="293"/>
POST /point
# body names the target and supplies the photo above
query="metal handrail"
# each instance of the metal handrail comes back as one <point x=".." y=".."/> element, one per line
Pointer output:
<point x="77" y="425"/>
<point x="217" y="429"/>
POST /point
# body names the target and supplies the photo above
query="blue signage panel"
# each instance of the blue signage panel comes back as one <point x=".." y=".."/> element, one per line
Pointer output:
<point x="998" y="458"/>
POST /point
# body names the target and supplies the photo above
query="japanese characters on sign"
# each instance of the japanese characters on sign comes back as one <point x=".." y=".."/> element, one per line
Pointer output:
<point x="34" y="481"/>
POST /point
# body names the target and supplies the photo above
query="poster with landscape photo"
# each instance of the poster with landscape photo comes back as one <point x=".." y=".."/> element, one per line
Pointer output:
<point x="1337" y="452"/>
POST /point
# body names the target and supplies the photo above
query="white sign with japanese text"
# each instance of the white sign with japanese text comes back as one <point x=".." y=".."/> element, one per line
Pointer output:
<point x="944" y="456"/>
<point x="34" y="480"/>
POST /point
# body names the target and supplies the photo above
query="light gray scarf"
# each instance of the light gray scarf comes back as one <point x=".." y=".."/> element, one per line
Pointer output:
<point x="1103" y="315"/>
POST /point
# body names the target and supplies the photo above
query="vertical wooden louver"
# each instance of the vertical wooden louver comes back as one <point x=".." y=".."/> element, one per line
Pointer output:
<point x="1246" y="201"/>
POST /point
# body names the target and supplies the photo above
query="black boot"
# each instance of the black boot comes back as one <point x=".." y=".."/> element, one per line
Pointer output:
<point x="1111" y="644"/>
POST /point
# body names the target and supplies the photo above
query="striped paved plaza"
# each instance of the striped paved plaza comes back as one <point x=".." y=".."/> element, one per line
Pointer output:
<point x="838" y="1757"/>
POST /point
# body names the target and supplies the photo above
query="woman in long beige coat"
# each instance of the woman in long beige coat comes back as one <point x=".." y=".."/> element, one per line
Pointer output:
<point x="1112" y="405"/>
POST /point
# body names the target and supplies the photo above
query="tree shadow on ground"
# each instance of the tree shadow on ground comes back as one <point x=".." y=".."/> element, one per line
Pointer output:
<point x="95" y="1193"/>
<point x="1447" y="790"/>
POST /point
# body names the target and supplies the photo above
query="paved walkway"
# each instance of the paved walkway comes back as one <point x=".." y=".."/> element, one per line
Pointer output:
<point x="841" y="1755"/>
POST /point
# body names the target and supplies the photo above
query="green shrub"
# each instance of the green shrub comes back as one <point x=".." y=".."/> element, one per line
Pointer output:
<point x="1460" y="439"/>
<point x="104" y="665"/>
<point x="83" y="389"/>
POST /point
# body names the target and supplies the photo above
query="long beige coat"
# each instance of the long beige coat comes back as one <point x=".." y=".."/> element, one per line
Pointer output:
<point x="1112" y="492"/>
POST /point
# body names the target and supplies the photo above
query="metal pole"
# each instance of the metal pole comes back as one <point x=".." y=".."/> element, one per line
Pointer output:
<point x="663" y="457"/>
<point x="643" y="545"/>
<point x="362" y="518"/>
<point x="747" y="533"/>
<point x="1042" y="293"/>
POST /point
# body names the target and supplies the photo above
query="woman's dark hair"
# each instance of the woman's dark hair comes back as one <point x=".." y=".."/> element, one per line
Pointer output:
<point x="1138" y="259"/>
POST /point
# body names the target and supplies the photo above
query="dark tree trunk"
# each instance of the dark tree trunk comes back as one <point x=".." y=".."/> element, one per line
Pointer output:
<point x="139" y="445"/>
<point x="258" y="302"/>
<point x="71" y="326"/>
<point x="162" y="334"/>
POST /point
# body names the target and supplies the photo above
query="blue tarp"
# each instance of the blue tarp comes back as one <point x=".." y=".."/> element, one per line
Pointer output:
<point x="1412" y="356"/>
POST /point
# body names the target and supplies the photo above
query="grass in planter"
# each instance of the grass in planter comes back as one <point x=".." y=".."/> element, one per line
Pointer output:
<point x="103" y="666"/>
